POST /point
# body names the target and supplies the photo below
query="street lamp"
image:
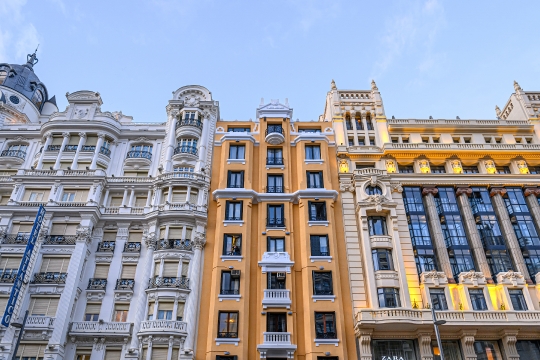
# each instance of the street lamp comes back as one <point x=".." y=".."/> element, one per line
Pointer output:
<point x="21" y="327"/>
<point x="436" y="324"/>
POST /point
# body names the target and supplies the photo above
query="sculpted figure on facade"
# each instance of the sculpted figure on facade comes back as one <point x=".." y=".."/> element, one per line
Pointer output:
<point x="490" y="166"/>
<point x="424" y="166"/>
<point x="522" y="166"/>
<point x="391" y="166"/>
<point x="456" y="166"/>
<point x="343" y="166"/>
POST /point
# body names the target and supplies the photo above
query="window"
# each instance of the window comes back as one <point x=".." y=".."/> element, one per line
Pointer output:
<point x="313" y="152"/>
<point x="308" y="130"/>
<point x="461" y="261"/>
<point x="237" y="152"/>
<point x="276" y="322"/>
<point x="388" y="297"/>
<point x="503" y="170"/>
<point x="406" y="169"/>
<point x="121" y="312"/>
<point x="274" y="128"/>
<point x="373" y="190"/>
<point x="377" y="225"/>
<point x="274" y="156"/>
<point x="165" y="310"/>
<point x="425" y="260"/>
<point x="92" y="312"/>
<point x="478" y="300"/>
<point x="532" y="260"/>
<point x="438" y="170"/>
<point x="315" y="180"/>
<point x="534" y="170"/>
<point x="232" y="245"/>
<point x="238" y="129"/>
<point x="226" y="357"/>
<point x="68" y="196"/>
<point x="227" y="324"/>
<point x="275" y="280"/>
<point x="382" y="259"/>
<point x="229" y="285"/>
<point x="275" y="244"/>
<point x="360" y="166"/>
<point x="235" y="179"/>
<point x="43" y="306"/>
<point x="233" y="210"/>
<point x="518" y="300"/>
<point x="275" y="216"/>
<point x="325" y="325"/>
<point x="351" y="142"/>
<point x="438" y="299"/>
<point x="142" y="148"/>
<point x="317" y="211"/>
<point x="319" y="245"/>
<point x="189" y="115"/>
<point x="470" y="170"/>
<point x="275" y="184"/>
<point x="36" y="196"/>
<point x="322" y="283"/>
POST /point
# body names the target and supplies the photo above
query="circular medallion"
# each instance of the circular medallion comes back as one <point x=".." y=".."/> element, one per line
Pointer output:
<point x="14" y="99"/>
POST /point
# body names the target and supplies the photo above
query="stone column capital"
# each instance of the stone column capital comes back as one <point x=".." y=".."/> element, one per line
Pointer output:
<point x="82" y="135"/>
<point x="429" y="190"/>
<point x="464" y="190"/>
<point x="532" y="191"/>
<point x="497" y="191"/>
<point x="48" y="135"/>
<point x="101" y="135"/>
<point x="66" y="135"/>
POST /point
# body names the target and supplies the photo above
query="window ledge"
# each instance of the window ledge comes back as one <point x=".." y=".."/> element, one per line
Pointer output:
<point x="326" y="342"/>
<point x="234" y="341"/>
<point x="282" y="167"/>
<point x="233" y="222"/>
<point x="320" y="258"/>
<point x="232" y="257"/>
<point x="236" y="161"/>
<point x="318" y="223"/>
<point x="314" y="161"/>
<point x="229" y="297"/>
<point x="323" y="298"/>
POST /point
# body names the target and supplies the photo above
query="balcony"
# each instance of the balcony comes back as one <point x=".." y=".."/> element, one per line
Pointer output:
<point x="70" y="148"/>
<point x="189" y="122"/>
<point x="168" y="282"/>
<point x="275" y="161"/>
<point x="274" y="135"/>
<point x="276" y="262"/>
<point x="277" y="344"/>
<point x="53" y="148"/>
<point x="97" y="284"/>
<point x="106" y="246"/>
<point x="125" y="284"/>
<point x="275" y="222"/>
<point x="13" y="156"/>
<point x="8" y="275"/>
<point x="49" y="278"/>
<point x="175" y="244"/>
<point x="279" y="298"/>
<point x="60" y="240"/>
<point x="163" y="326"/>
<point x="16" y="239"/>
<point x="189" y="127"/>
<point x="105" y="151"/>
<point x="185" y="152"/>
<point x="100" y="329"/>
<point x="132" y="247"/>
<point x="138" y="157"/>
<point x="381" y="241"/>
<point x="35" y="322"/>
<point x="88" y="148"/>
<point x="275" y="189"/>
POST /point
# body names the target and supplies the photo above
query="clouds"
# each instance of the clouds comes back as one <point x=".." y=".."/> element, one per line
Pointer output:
<point x="17" y="36"/>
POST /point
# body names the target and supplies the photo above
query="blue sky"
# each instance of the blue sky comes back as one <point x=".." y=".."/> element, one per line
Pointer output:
<point x="428" y="57"/>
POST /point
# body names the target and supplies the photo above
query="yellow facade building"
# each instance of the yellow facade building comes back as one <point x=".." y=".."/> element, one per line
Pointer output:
<point x="275" y="280"/>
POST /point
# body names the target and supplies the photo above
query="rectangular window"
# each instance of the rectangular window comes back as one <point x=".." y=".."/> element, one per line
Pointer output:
<point x="470" y="170"/>
<point x="438" y="299"/>
<point x="518" y="300"/>
<point x="41" y="306"/>
<point x="406" y="169"/>
<point x="165" y="310"/>
<point x="478" y="300"/>
<point x="229" y="285"/>
<point x="276" y="216"/>
<point x="227" y="325"/>
<point x="438" y="170"/>
<point x="237" y="152"/>
<point x="377" y="225"/>
<point x="225" y="357"/>
<point x="309" y="130"/>
<point x="322" y="283"/>
<point x="325" y="325"/>
<point x="319" y="245"/>
<point x="503" y="170"/>
<point x="235" y="179"/>
<point x="232" y="245"/>
<point x="275" y="184"/>
<point x="275" y="244"/>
<point x="274" y="156"/>
<point x="68" y="196"/>
<point x="121" y="312"/>
<point x="425" y="260"/>
<point x="388" y="297"/>
<point x="382" y="259"/>
<point x="275" y="280"/>
<point x="313" y="152"/>
<point x="233" y="210"/>
<point x="317" y="211"/>
<point x="276" y="322"/>
<point x="238" y="129"/>
<point x="315" y="180"/>
<point x="92" y="312"/>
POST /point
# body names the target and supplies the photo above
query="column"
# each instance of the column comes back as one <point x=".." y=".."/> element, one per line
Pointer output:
<point x="149" y="199"/>
<point x="101" y="139"/>
<point x="124" y="198"/>
<point x="508" y="231"/>
<point x="139" y="303"/>
<point x="436" y="232"/>
<point x="531" y="195"/>
<point x="48" y="142"/>
<point x="424" y="343"/>
<point x="192" y="302"/>
<point x="188" y="193"/>
<point x="106" y="197"/>
<point x="131" y="197"/>
<point x="64" y="143"/>
<point x="353" y="123"/>
<point x="509" y="339"/>
<point x="82" y="141"/>
<point x="170" y="143"/>
<point x="169" y="194"/>
<point x="364" y="343"/>
<point x="201" y="162"/>
<point x="364" y="121"/>
<point x="170" y="350"/>
<point x="467" y="344"/>
<point x="55" y="348"/>
<point x="475" y="242"/>
<point x="149" y="352"/>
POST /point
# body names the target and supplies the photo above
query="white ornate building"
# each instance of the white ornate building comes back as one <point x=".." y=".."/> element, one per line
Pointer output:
<point x="443" y="214"/>
<point x="116" y="271"/>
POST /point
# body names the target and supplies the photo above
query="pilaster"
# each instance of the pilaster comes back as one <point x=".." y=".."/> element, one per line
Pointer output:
<point x="467" y="344"/>
<point x="424" y="343"/>
<point x="508" y="340"/>
<point x="364" y="343"/>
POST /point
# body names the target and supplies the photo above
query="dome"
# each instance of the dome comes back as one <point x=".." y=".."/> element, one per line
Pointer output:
<point x="22" y="79"/>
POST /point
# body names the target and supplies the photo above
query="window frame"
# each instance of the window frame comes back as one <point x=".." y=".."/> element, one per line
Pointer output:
<point x="316" y="239"/>
<point x="323" y="283"/>
<point x="238" y="245"/>
<point x="237" y="176"/>
<point x="228" y="216"/>
<point x="323" y="316"/>
<point x="318" y="177"/>
<point x="373" y="226"/>
<point x="229" y="323"/>
<point x="236" y="149"/>
<point x="377" y="253"/>
<point x="311" y="152"/>
<point x="317" y="215"/>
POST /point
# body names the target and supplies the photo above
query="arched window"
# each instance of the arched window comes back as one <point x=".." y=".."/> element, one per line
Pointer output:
<point x="348" y="121"/>
<point x="373" y="190"/>
<point x="369" y="123"/>
<point x="37" y="99"/>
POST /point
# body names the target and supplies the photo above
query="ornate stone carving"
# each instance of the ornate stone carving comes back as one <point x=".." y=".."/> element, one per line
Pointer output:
<point x="81" y="113"/>
<point x="430" y="190"/>
<point x="424" y="166"/>
<point x="333" y="85"/>
<point x="510" y="277"/>
<point x="522" y="166"/>
<point x="346" y="184"/>
<point x="464" y="190"/>
<point x="192" y="101"/>
<point x="66" y="135"/>
<point x="83" y="233"/>
<point x="516" y="86"/>
<point x="149" y="239"/>
<point x="343" y="166"/>
<point x="490" y="166"/>
<point x="199" y="241"/>
<point x="472" y="278"/>
<point x="374" y="86"/>
<point x="498" y="111"/>
<point x="456" y="166"/>
<point x="376" y="200"/>
<point x="497" y="191"/>
<point x="532" y="191"/>
<point x="396" y="187"/>
<point x="433" y="277"/>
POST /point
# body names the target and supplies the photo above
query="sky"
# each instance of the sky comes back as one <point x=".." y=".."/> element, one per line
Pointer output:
<point x="428" y="57"/>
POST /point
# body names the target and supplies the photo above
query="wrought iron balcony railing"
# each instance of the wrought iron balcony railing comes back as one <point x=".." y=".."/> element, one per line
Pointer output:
<point x="97" y="284"/>
<point x="50" y="278"/>
<point x="105" y="151"/>
<point x="125" y="284"/>
<point x="275" y="222"/>
<point x="8" y="275"/>
<point x="274" y="161"/>
<point x="16" y="239"/>
<point x="70" y="148"/>
<point x="178" y="244"/>
<point x="185" y="149"/>
<point x="60" y="240"/>
<point x="88" y="148"/>
<point x="14" y="153"/>
<point x="274" y="189"/>
<point x="135" y="154"/>
<point x="54" y="147"/>
<point x="227" y="334"/>
<point x="189" y="122"/>
<point x="273" y="129"/>
<point x="168" y="282"/>
<point x="106" y="246"/>
<point x="326" y="335"/>
<point x="132" y="247"/>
